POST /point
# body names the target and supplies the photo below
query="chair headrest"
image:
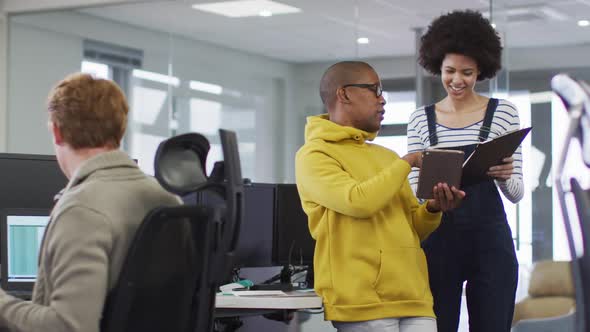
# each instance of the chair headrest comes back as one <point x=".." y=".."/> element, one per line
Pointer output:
<point x="180" y="162"/>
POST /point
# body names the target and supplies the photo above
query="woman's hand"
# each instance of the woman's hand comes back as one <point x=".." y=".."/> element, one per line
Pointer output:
<point x="445" y="198"/>
<point x="503" y="171"/>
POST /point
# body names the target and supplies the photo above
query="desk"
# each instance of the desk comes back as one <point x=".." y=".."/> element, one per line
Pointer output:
<point x="231" y="305"/>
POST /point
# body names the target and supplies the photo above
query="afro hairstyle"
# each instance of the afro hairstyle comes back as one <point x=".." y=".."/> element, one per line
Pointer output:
<point x="462" y="32"/>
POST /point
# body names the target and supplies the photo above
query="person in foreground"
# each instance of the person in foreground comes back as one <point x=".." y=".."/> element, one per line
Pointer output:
<point x="369" y="268"/>
<point x="95" y="220"/>
<point x="474" y="242"/>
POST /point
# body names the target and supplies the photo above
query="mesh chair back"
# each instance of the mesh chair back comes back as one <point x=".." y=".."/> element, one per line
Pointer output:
<point x="163" y="276"/>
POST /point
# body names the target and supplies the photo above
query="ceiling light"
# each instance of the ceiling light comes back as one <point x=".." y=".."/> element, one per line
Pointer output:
<point x="583" y="23"/>
<point x="363" y="40"/>
<point x="156" y="77"/>
<point x="206" y="87"/>
<point x="246" y="8"/>
<point x="265" y="13"/>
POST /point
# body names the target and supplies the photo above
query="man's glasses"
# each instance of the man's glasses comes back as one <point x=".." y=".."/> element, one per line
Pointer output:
<point x="376" y="88"/>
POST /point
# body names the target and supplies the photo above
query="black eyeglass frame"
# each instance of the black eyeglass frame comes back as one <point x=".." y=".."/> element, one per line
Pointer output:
<point x="376" y="88"/>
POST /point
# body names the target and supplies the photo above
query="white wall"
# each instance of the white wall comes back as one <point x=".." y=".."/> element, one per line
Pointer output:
<point x="44" y="47"/>
<point x="37" y="59"/>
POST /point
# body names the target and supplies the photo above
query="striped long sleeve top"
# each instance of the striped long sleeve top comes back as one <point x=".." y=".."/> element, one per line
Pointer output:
<point x="505" y="119"/>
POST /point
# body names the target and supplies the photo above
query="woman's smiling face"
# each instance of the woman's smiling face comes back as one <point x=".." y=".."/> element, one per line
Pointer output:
<point x="459" y="75"/>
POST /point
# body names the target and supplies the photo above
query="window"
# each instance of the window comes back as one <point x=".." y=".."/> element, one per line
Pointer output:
<point x="96" y="69"/>
<point x="398" y="108"/>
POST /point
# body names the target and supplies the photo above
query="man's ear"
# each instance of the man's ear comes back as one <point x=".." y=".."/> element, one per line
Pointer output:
<point x="341" y="96"/>
<point x="56" y="133"/>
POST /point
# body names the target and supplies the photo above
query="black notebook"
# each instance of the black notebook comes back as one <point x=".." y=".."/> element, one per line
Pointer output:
<point x="491" y="153"/>
<point x="439" y="166"/>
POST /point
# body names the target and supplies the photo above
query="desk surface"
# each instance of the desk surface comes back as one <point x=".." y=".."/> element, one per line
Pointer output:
<point x="292" y="300"/>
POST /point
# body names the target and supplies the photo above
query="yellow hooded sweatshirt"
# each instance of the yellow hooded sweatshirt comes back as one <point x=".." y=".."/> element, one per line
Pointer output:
<point x="367" y="225"/>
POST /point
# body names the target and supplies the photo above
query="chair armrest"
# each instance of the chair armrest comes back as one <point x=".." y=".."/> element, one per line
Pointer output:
<point x="565" y="323"/>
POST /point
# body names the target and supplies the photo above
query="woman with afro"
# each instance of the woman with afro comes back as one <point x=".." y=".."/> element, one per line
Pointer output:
<point x="474" y="242"/>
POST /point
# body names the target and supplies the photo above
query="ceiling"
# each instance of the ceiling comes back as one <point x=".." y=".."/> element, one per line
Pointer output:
<point x="326" y="30"/>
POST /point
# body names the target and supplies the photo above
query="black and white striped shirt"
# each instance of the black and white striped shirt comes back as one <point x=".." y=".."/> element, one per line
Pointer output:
<point x="505" y="119"/>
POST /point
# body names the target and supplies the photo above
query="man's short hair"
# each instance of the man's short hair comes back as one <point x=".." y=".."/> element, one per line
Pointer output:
<point x="89" y="112"/>
<point x="337" y="75"/>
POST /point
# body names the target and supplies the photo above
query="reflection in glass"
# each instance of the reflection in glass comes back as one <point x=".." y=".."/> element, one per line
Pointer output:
<point x="144" y="148"/>
<point x="205" y="116"/>
<point x="147" y="104"/>
<point x="156" y="77"/>
<point x="206" y="87"/>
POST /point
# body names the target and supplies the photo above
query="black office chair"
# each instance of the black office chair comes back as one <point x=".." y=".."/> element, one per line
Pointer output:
<point x="167" y="264"/>
<point x="180" y="254"/>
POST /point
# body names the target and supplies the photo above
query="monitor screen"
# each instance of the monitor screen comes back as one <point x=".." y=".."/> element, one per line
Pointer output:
<point x="293" y="243"/>
<point x="29" y="181"/>
<point x="22" y="233"/>
<point x="255" y="240"/>
<point x="274" y="229"/>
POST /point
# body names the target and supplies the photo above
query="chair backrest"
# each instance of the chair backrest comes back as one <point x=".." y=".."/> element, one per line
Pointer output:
<point x="180" y="168"/>
<point x="234" y="196"/>
<point x="165" y="283"/>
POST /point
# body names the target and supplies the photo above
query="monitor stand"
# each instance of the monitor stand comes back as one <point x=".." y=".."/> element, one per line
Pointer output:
<point x="284" y="285"/>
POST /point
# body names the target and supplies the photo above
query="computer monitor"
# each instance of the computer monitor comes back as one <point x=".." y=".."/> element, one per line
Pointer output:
<point x="274" y="228"/>
<point x="293" y="243"/>
<point x="255" y="240"/>
<point x="22" y="232"/>
<point x="29" y="181"/>
<point x="254" y="248"/>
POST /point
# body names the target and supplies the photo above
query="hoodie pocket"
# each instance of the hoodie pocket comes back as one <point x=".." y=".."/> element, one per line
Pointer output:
<point x="403" y="275"/>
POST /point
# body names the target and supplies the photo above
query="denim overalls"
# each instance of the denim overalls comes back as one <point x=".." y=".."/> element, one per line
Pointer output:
<point x="473" y="244"/>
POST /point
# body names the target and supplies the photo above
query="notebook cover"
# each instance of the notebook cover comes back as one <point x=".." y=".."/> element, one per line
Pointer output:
<point x="439" y="166"/>
<point x="489" y="154"/>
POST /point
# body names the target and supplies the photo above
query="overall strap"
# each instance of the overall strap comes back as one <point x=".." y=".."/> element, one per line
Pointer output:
<point x="486" y="127"/>
<point x="431" y="119"/>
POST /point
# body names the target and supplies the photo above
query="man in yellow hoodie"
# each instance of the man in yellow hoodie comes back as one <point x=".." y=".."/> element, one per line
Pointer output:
<point x="369" y="267"/>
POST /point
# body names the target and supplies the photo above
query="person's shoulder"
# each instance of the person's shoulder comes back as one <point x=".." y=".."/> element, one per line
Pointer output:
<point x="506" y="106"/>
<point x="419" y="111"/>
<point x="384" y="151"/>
<point x="417" y="114"/>
<point x="312" y="146"/>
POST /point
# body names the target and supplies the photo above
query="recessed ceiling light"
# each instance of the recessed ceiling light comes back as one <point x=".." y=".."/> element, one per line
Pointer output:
<point x="363" y="40"/>
<point x="583" y="23"/>
<point x="246" y="8"/>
